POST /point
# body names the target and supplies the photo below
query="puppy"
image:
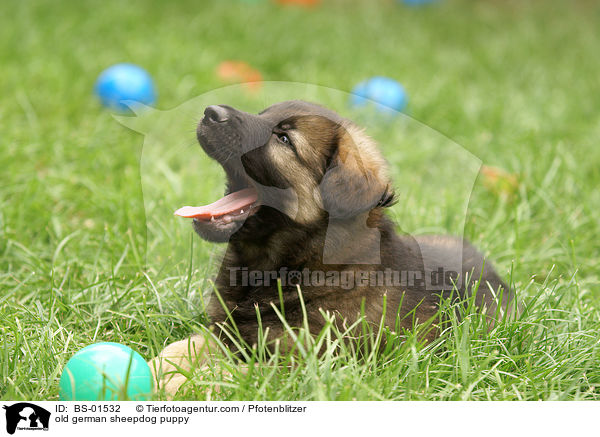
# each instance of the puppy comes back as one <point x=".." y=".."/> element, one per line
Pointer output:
<point x="305" y="205"/>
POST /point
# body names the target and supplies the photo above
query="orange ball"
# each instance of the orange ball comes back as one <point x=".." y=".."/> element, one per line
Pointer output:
<point x="308" y="3"/>
<point x="240" y="72"/>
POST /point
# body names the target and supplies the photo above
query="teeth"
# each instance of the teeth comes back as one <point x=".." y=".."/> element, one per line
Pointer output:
<point x="242" y="211"/>
<point x="212" y="219"/>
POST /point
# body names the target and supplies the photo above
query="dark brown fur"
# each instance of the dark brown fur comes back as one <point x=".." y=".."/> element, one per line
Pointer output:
<point x="342" y="191"/>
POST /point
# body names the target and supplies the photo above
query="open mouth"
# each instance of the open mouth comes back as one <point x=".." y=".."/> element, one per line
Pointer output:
<point x="234" y="207"/>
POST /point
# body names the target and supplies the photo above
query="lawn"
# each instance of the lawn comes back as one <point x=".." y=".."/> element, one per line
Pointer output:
<point x="90" y="251"/>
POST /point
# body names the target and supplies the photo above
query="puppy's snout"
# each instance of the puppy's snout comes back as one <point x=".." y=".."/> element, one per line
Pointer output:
<point x="216" y="113"/>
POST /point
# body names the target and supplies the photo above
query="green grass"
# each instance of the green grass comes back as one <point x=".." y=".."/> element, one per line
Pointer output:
<point x="85" y="256"/>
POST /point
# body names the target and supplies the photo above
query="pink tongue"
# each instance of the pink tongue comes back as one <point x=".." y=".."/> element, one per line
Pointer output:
<point x="230" y="203"/>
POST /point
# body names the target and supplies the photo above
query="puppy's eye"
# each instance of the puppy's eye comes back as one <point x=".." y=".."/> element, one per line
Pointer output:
<point x="283" y="138"/>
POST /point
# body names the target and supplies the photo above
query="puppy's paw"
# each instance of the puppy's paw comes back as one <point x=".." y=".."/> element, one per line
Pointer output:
<point x="173" y="366"/>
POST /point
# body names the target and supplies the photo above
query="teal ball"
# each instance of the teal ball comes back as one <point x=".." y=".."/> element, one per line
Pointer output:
<point x="106" y="372"/>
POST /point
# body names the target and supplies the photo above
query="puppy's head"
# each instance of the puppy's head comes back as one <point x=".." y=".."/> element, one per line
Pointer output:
<point x="295" y="163"/>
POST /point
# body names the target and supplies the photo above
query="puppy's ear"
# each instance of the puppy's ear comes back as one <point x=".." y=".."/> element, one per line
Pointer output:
<point x="356" y="179"/>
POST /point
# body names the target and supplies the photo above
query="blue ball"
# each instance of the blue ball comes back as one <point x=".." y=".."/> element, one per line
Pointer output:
<point x="417" y="2"/>
<point x="123" y="82"/>
<point x="386" y="94"/>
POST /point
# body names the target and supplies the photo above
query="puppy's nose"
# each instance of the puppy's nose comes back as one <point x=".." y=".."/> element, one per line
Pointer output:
<point x="216" y="113"/>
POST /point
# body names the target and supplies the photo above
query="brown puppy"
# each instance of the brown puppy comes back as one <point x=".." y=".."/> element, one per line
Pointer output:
<point x="305" y="201"/>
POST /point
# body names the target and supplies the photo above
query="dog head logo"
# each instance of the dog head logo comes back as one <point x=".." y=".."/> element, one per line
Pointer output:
<point x="26" y="416"/>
